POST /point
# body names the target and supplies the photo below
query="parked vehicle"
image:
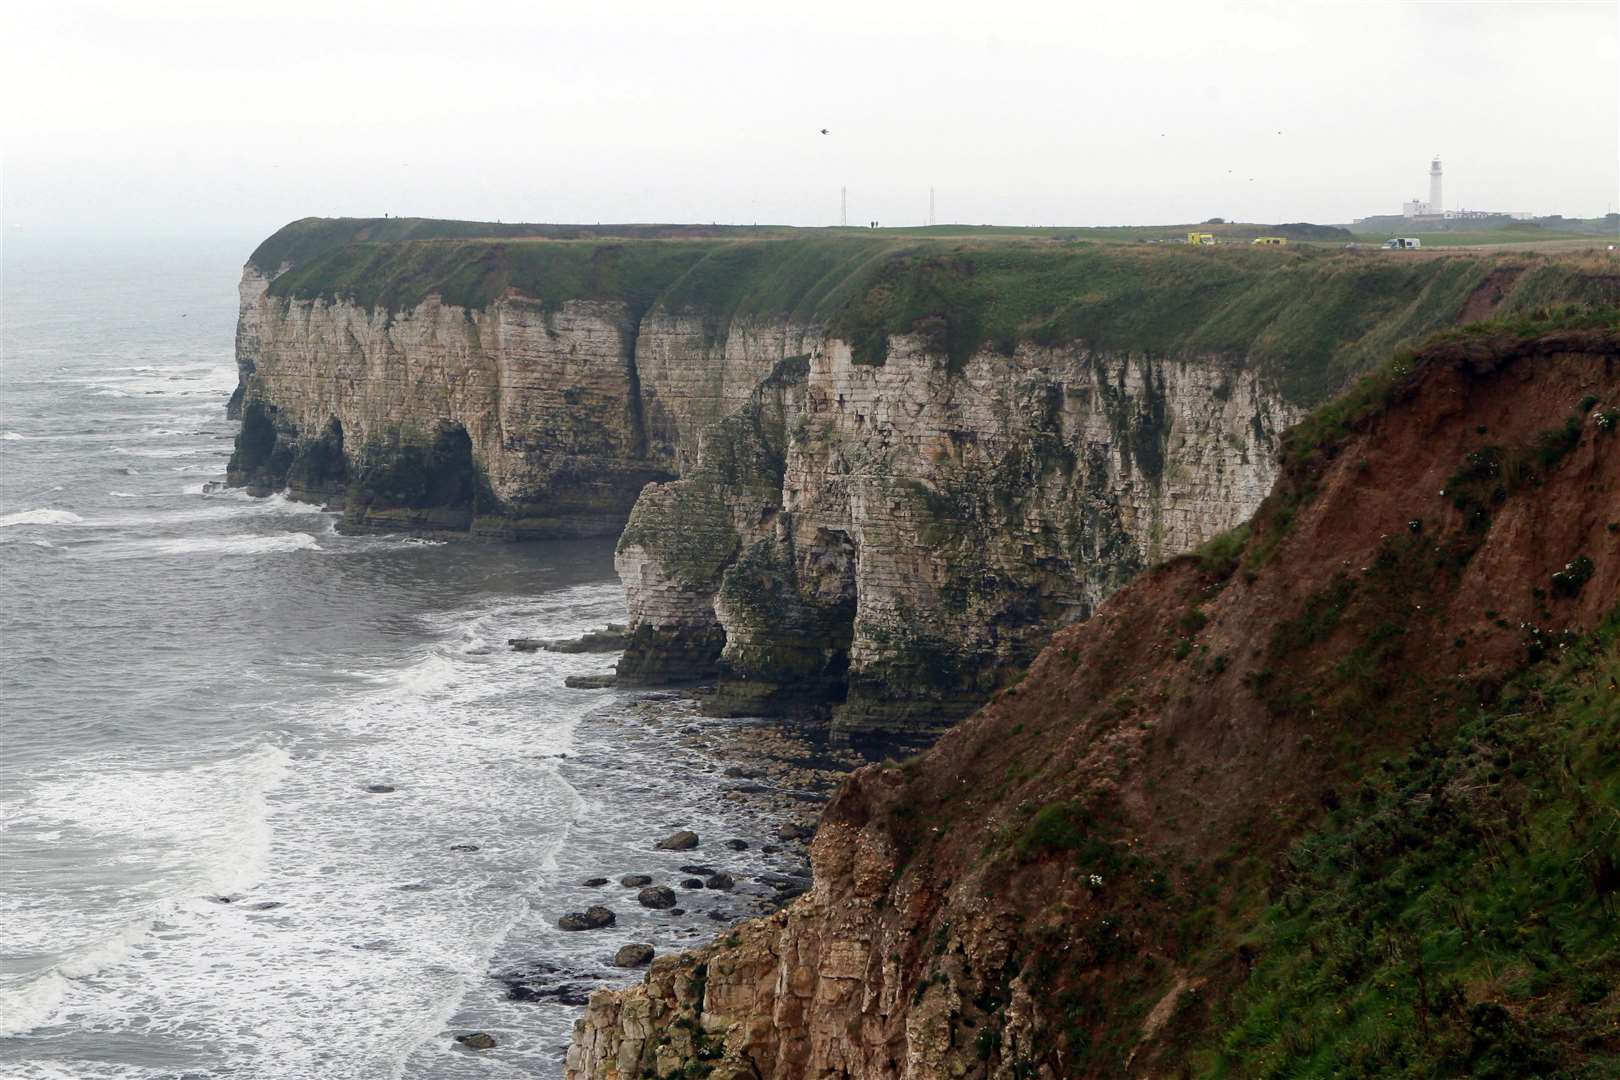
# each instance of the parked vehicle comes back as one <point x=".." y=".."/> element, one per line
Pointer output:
<point x="1270" y="241"/>
<point x="1403" y="243"/>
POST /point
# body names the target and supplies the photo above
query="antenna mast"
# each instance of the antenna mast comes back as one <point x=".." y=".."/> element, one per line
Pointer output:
<point x="843" y="207"/>
<point x="930" y="205"/>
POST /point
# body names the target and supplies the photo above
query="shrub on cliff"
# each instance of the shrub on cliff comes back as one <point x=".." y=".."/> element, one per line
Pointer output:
<point x="1461" y="919"/>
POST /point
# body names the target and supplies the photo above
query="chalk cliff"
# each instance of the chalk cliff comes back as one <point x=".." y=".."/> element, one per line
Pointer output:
<point x="909" y="534"/>
<point x="867" y="472"/>
<point x="527" y="422"/>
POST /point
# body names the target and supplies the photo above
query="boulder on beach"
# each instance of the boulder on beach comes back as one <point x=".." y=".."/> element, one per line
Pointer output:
<point x="684" y="840"/>
<point x="722" y="881"/>
<point x="633" y="955"/>
<point x="477" y="1040"/>
<point x="594" y="917"/>
<point x="656" y="896"/>
<point x="635" y="881"/>
<point x="792" y="830"/>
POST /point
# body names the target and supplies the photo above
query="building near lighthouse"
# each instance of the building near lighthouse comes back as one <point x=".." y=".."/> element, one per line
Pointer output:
<point x="1432" y="210"/>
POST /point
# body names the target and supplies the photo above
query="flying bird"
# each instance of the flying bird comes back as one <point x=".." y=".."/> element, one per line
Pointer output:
<point x="824" y="131"/>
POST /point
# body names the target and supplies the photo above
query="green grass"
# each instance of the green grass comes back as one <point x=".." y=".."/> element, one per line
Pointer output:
<point x="1308" y="317"/>
<point x="1458" y="917"/>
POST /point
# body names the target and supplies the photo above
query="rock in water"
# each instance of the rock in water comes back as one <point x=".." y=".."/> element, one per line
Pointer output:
<point x="656" y="896"/>
<point x="594" y="882"/>
<point x="380" y="789"/>
<point x="722" y="881"/>
<point x="591" y="682"/>
<point x="594" y="917"/>
<point x="477" y="1040"/>
<point x="635" y="881"/>
<point x="685" y="840"/>
<point x="524" y="644"/>
<point x="611" y="638"/>
<point x="633" y="955"/>
<point x="691" y="883"/>
<point x="737" y="845"/>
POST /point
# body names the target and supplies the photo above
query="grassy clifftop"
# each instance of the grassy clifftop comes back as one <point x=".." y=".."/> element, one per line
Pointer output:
<point x="1310" y="316"/>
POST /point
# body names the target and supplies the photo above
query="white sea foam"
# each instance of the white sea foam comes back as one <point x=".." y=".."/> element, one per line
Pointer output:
<point x="11" y="436"/>
<point x="238" y="545"/>
<point x="169" y="452"/>
<point x="471" y="735"/>
<point x="39" y="517"/>
<point x="215" y="506"/>
<point x="200" y="830"/>
<point x="31" y="1005"/>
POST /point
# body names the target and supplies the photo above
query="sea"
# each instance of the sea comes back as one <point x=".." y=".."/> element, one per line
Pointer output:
<point x="199" y="689"/>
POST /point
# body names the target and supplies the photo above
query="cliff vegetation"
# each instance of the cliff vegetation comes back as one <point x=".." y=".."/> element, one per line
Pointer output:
<point x="1311" y="315"/>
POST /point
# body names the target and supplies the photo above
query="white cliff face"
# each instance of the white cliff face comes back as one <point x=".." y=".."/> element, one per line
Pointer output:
<point x="546" y="399"/>
<point x="926" y="529"/>
<point x="989" y="507"/>
<point x="693" y="373"/>
<point x="903" y="532"/>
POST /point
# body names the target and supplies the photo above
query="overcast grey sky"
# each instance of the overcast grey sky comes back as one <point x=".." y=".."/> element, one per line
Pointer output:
<point x="171" y="114"/>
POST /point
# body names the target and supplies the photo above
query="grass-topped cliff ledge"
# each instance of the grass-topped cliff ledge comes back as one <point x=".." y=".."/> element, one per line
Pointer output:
<point x="873" y="468"/>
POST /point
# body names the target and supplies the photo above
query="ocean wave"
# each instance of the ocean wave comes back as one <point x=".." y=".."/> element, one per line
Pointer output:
<point x="40" y="543"/>
<point x="247" y="544"/>
<point x="11" y="436"/>
<point x="215" y="507"/>
<point x="165" y="452"/>
<point x="36" y="1002"/>
<point x="39" y="517"/>
<point x="31" y="1005"/>
<point x="228" y="848"/>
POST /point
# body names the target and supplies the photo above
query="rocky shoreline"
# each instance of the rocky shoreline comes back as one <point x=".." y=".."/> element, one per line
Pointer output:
<point x="685" y="880"/>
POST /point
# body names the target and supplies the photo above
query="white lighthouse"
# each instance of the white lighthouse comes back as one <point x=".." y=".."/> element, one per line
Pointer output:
<point x="1435" y="205"/>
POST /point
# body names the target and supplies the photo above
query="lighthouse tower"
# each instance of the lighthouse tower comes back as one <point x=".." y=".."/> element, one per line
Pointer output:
<point x="1435" y="205"/>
